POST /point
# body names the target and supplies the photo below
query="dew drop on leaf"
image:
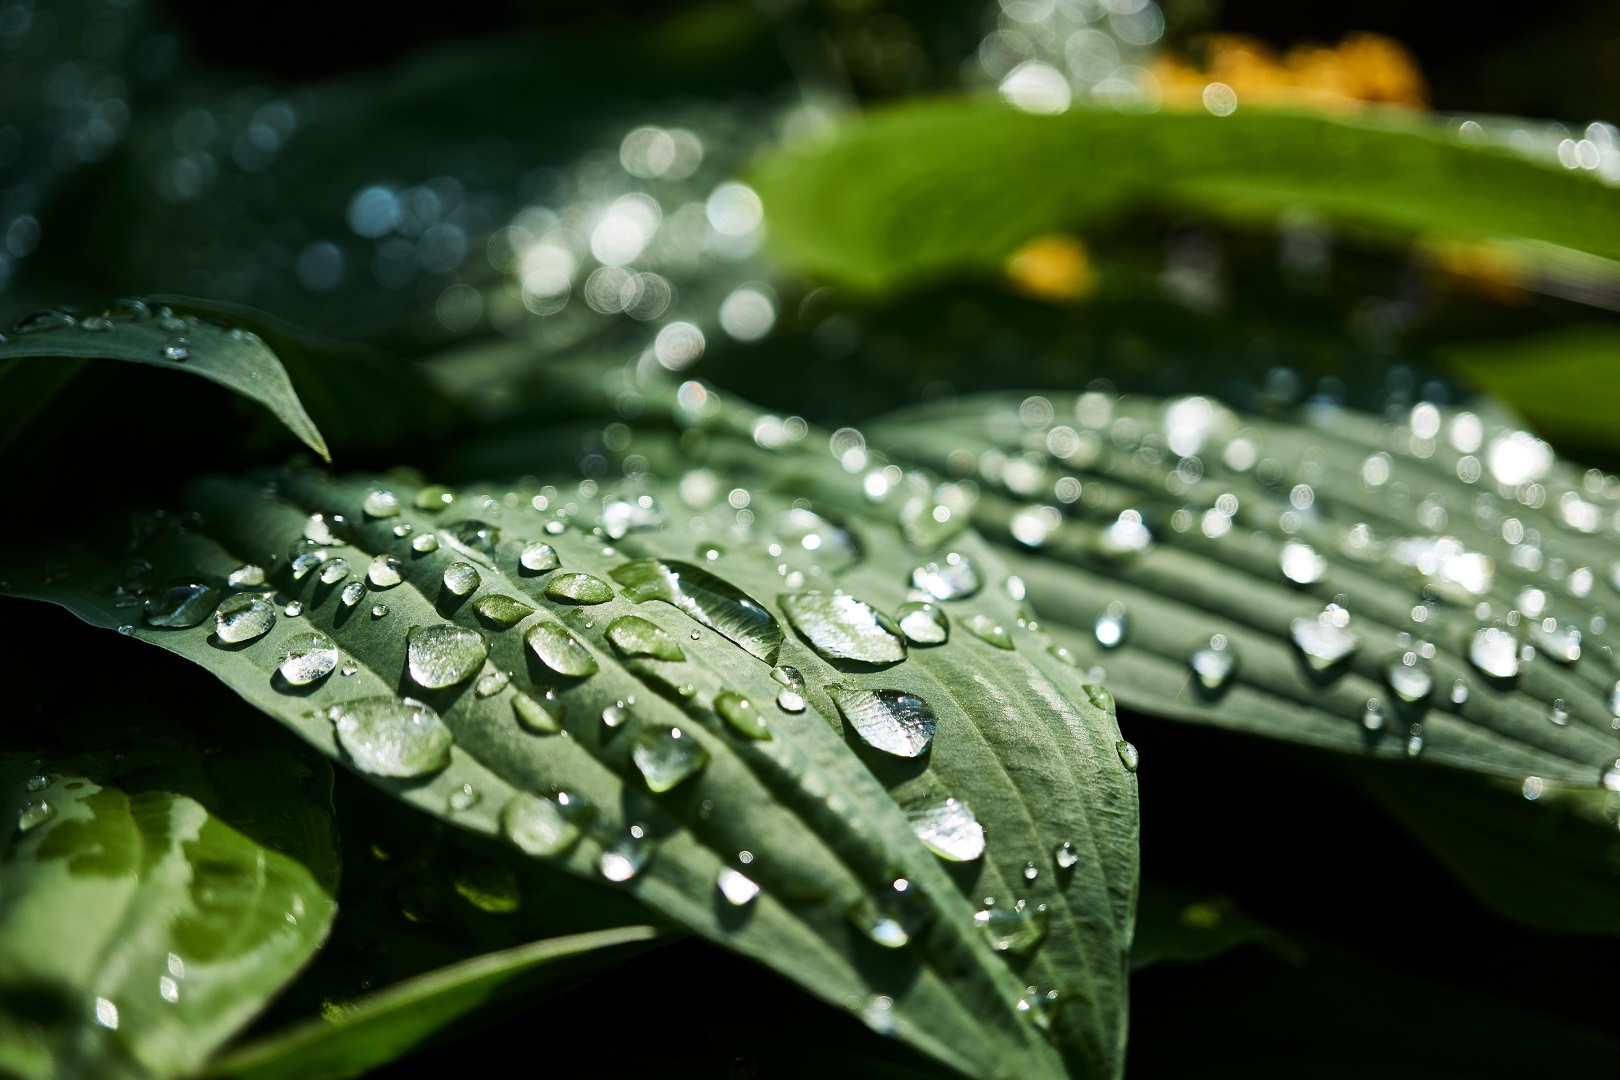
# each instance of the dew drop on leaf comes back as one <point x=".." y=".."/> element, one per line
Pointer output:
<point x="474" y="539"/>
<point x="1495" y="652"/>
<point x="33" y="813"/>
<point x="389" y="736"/>
<point x="443" y="655"/>
<point x="988" y="630"/>
<point x="626" y="858"/>
<point x="893" y="721"/>
<point x="1019" y="929"/>
<point x="425" y="543"/>
<point x="461" y="578"/>
<point x="434" y="498"/>
<point x="353" y="593"/>
<point x="542" y="714"/>
<point x="709" y="600"/>
<point x="327" y="530"/>
<point x="1560" y="643"/>
<point x="560" y="651"/>
<point x="491" y="683"/>
<point x="379" y="611"/>
<point x="385" y="572"/>
<point x="1213" y="663"/>
<point x="177" y="349"/>
<point x="1111" y="626"/>
<point x="1128" y="755"/>
<point x="36" y="322"/>
<point x="502" y="612"/>
<point x="307" y="658"/>
<point x="1066" y="856"/>
<point x="246" y="576"/>
<point x="1301" y="564"/>
<point x="949" y="829"/>
<point x="539" y="557"/>
<point x="334" y="571"/>
<point x="954" y="578"/>
<point x="1409" y="678"/>
<point x="840" y="627"/>
<point x="738" y="889"/>
<point x="740" y="713"/>
<point x="667" y="756"/>
<point x="293" y="609"/>
<point x="632" y="636"/>
<point x="180" y="603"/>
<point x="243" y="618"/>
<point x="923" y="624"/>
<point x="381" y="503"/>
<point x="579" y="589"/>
<point x="1326" y="639"/>
<point x="542" y="826"/>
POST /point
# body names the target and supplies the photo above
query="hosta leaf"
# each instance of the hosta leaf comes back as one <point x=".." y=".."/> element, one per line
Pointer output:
<point x="795" y="849"/>
<point x="139" y="930"/>
<point x="954" y="186"/>
<point x="222" y="352"/>
<point x="377" y="1029"/>
<point x="1559" y="379"/>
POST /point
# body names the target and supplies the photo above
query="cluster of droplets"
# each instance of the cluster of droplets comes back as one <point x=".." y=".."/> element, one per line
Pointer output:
<point x="1044" y="56"/>
<point x="172" y="341"/>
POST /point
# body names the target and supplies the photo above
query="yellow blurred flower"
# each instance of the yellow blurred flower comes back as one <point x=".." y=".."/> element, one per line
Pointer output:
<point x="1362" y="69"/>
<point x="1054" y="268"/>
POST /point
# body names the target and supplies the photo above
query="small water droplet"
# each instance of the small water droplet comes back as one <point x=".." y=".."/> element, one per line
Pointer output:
<point x="1325" y="640"/>
<point x="625" y="859"/>
<point x="542" y="826"/>
<point x="334" y="571"/>
<point x="349" y="668"/>
<point x="293" y="609"/>
<point x="181" y="603"/>
<point x="1558" y="712"/>
<point x="893" y="721"/>
<point x="37" y="783"/>
<point x="390" y="736"/>
<point x="579" y="589"/>
<point x="740" y="713"/>
<point x="955" y="578"/>
<point x="126" y="629"/>
<point x="443" y="655"/>
<point x="464" y="798"/>
<point x="307" y="658"/>
<point x="1066" y="856"/>
<point x="96" y="324"/>
<point x="988" y="630"/>
<point x="424" y="543"/>
<point x="632" y="636"/>
<point x="381" y="503"/>
<point x="559" y="650"/>
<point x="461" y="578"/>
<point x="738" y="889"/>
<point x="502" y="612"/>
<point x="891" y="917"/>
<point x="1129" y="756"/>
<point x="434" y="497"/>
<point x="1495" y="652"/>
<point x="474" y="539"/>
<point x="33" y="813"/>
<point x="403" y="529"/>
<point x="1031" y="871"/>
<point x="243" y="618"/>
<point x="1018" y="929"/>
<point x="1372" y="716"/>
<point x="542" y="714"/>
<point x="667" y="756"/>
<point x="1301" y="564"/>
<point x="1111" y="626"/>
<point x="1100" y="696"/>
<point x="539" y="557"/>
<point x="352" y="593"/>
<point x="949" y="829"/>
<point x="246" y="576"/>
<point x="385" y="572"/>
<point x="1409" y="677"/>
<point x="1560" y="643"/>
<point x="923" y="624"/>
<point x="177" y="349"/>
<point x="379" y="611"/>
<point x="491" y="683"/>
<point x="1213" y="663"/>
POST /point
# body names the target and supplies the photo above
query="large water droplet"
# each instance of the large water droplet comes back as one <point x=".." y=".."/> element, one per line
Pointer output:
<point x="1301" y="564"/>
<point x="328" y="530"/>
<point x="840" y="627"/>
<point x="666" y="756"/>
<point x="353" y="593"/>
<point x="444" y="655"/>
<point x="180" y="603"/>
<point x="625" y="859"/>
<point x="243" y="618"/>
<point x="1409" y="677"/>
<point x="389" y="736"/>
<point x="1560" y="643"/>
<point x="1213" y="663"/>
<point x="893" y="721"/>
<point x="246" y="576"/>
<point x="706" y="598"/>
<point x="948" y="829"/>
<point x="461" y="578"/>
<point x="632" y="636"/>
<point x="380" y="503"/>
<point x="539" y="557"/>
<point x="542" y="714"/>
<point x="37" y="322"/>
<point x="304" y="556"/>
<point x="385" y="572"/>
<point x="1018" y="929"/>
<point x="502" y="612"/>
<point x="308" y="657"/>
<point x="579" y="589"/>
<point x="740" y="713"/>
<point x="923" y="624"/>
<point x="33" y="813"/>
<point x="474" y="539"/>
<point x="987" y="629"/>
<point x="1129" y="756"/>
<point x="560" y="651"/>
<point x="953" y="579"/>
<point x="542" y="826"/>
<point x="334" y="571"/>
<point x="1495" y="652"/>
<point x="738" y="888"/>
<point x="1326" y="639"/>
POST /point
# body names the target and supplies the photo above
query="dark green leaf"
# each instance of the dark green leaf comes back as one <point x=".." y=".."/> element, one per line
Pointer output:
<point x="1560" y="380"/>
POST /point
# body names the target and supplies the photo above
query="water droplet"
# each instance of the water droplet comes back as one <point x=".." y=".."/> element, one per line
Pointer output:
<point x="949" y="829"/>
<point x="379" y="611"/>
<point x="1301" y="564"/>
<point x="840" y="627"/>
<point x="464" y="798"/>
<point x="243" y="618"/>
<point x="1129" y="756"/>
<point x="181" y="603"/>
<point x="1409" y="677"/>
<point x="461" y="578"/>
<point x="666" y="756"/>
<point x="246" y="576"/>
<point x="706" y="598"/>
<point x="890" y="918"/>
<point x="1100" y="696"/>
<point x="625" y="859"/>
<point x="424" y="543"/>
<point x="403" y="529"/>
<point x="738" y="889"/>
<point x="444" y="655"/>
<point x="474" y="539"/>
<point x="987" y="629"/>
<point x="491" y="683"/>
<point x="1019" y="929"/>
<point x="1459" y="692"/>
<point x="621" y="516"/>
<point x="1111" y="626"/>
<point x="33" y="813"/>
<point x="352" y="593"/>
<point x="1031" y="871"/>
<point x="740" y="713"/>
<point x="349" y="668"/>
<point x="542" y="714"/>
<point x="892" y="721"/>
<point x="327" y="530"/>
<point x="308" y="657"/>
<point x="1560" y="643"/>
<point x="542" y="826"/>
<point x="305" y="556"/>
<point x="617" y="714"/>
<point x="1372" y="717"/>
<point x="385" y="572"/>
<point x="788" y="676"/>
<point x="1213" y="663"/>
<point x="1494" y="652"/>
<point x="36" y="322"/>
<point x="293" y="609"/>
<point x="1066" y="856"/>
<point x="37" y="783"/>
<point x="434" y="497"/>
<point x="923" y="624"/>
<point x="1325" y="640"/>
<point x="502" y="612"/>
<point x="632" y="636"/>
<point x="954" y="579"/>
<point x="106" y="1014"/>
<point x="380" y="503"/>
<point x="334" y="571"/>
<point x="389" y="736"/>
<point x="177" y="349"/>
<point x="539" y="557"/>
<point x="579" y="589"/>
<point x="560" y="651"/>
<point x="1558" y="712"/>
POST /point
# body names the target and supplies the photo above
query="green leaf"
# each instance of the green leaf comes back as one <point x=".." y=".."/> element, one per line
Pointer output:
<point x="953" y="187"/>
<point x="139" y="930"/>
<point x="383" y="1026"/>
<point x="819" y="821"/>
<point x="1178" y="926"/>
<point x="1558" y="379"/>
<point x="230" y="355"/>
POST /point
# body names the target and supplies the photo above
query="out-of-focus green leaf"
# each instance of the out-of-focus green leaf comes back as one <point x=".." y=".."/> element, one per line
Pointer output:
<point x="953" y="187"/>
<point x="1174" y="925"/>
<point x="230" y="355"/>
<point x="139" y="930"/>
<point x="1561" y="380"/>
<point x="377" y="1029"/>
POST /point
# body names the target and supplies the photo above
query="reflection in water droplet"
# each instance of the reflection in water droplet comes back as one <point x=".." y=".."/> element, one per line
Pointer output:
<point x="379" y="611"/>
<point x="1213" y="663"/>
<point x="579" y="589"/>
<point x="989" y="630"/>
<point x="243" y="618"/>
<point x="542" y="714"/>
<point x="631" y="636"/>
<point x="464" y="798"/>
<point x="380" y="503"/>
<point x="1066" y="856"/>
<point x="840" y="627"/>
<point x="474" y="539"/>
<point x="707" y="599"/>
<point x="424" y="543"/>
<point x="246" y="576"/>
<point x="923" y="624"/>
<point x="33" y="813"/>
<point x="893" y="721"/>
<point x="1100" y="696"/>
<point x="949" y="829"/>
<point x="177" y="349"/>
<point x="625" y="859"/>
<point x="1111" y="626"/>
<point x="389" y="736"/>
<point x="352" y="593"/>
<point x="1409" y="677"/>
<point x="740" y="713"/>
<point x="738" y="889"/>
<point x="953" y="579"/>
<point x="1459" y="692"/>
<point x="293" y="609"/>
<point x="890" y="918"/>
<point x="539" y="557"/>
<point x="461" y="578"/>
<point x="1325" y="640"/>
<point x="443" y="655"/>
<point x="1301" y="564"/>
<point x="1560" y="643"/>
<point x="1128" y="755"/>
<point x="308" y="657"/>
<point x="560" y="651"/>
<point x="502" y="612"/>
<point x="334" y="571"/>
<point x="666" y="756"/>
<point x="1494" y="652"/>
<point x="542" y="826"/>
<point x="491" y="683"/>
<point x="181" y="603"/>
<point x="1019" y="929"/>
<point x="385" y="572"/>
